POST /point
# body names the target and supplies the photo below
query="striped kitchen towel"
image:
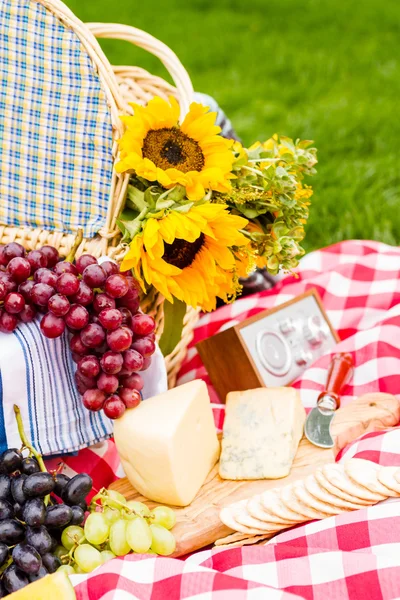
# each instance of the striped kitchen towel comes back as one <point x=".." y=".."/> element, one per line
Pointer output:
<point x="37" y="374"/>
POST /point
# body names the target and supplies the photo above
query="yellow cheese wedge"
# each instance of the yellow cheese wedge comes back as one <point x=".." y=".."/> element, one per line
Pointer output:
<point x="168" y="444"/>
<point x="51" y="587"/>
<point x="262" y="430"/>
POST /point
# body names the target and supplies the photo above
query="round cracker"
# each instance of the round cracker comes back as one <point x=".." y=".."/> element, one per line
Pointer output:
<point x="329" y="487"/>
<point x="272" y="502"/>
<point x="337" y="475"/>
<point x="387" y="478"/>
<point x="315" y="489"/>
<point x="365" y="473"/>
<point x="290" y="500"/>
<point x="227" y="516"/>
<point x="258" y="511"/>
<point x="304" y="496"/>
<point x="243" y="517"/>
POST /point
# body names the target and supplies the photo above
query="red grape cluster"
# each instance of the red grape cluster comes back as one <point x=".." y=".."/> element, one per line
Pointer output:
<point x="111" y="340"/>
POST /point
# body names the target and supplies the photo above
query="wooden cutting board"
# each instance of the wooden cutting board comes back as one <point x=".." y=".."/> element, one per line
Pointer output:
<point x="198" y="525"/>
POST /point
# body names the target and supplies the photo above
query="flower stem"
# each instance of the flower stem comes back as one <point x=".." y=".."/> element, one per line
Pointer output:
<point x="77" y="243"/>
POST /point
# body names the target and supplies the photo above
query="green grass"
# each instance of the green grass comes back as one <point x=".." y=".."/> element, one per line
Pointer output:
<point x="326" y="70"/>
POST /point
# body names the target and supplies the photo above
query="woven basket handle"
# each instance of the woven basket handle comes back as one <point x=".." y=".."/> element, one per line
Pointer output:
<point x="151" y="44"/>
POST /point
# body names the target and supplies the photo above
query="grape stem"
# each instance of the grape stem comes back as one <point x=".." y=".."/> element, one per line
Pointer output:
<point x="78" y="241"/>
<point x="103" y="495"/>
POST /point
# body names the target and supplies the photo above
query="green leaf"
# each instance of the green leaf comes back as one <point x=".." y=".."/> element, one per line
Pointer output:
<point x="173" y="325"/>
<point x="136" y="198"/>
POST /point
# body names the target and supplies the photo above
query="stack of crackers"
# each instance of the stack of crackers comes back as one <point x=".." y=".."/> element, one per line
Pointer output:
<point x="332" y="489"/>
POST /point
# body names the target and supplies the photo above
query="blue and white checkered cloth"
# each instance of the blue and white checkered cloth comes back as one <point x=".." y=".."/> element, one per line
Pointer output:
<point x="55" y="125"/>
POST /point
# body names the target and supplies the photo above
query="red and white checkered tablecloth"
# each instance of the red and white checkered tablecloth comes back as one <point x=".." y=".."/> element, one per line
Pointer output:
<point x="354" y="556"/>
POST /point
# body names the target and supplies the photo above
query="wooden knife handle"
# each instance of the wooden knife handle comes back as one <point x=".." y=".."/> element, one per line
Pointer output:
<point x="339" y="373"/>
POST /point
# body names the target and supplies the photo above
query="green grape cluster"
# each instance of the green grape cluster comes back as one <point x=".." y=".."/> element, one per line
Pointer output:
<point x="116" y="527"/>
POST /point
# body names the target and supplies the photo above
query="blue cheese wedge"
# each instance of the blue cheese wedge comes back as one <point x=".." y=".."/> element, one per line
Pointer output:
<point x="262" y="431"/>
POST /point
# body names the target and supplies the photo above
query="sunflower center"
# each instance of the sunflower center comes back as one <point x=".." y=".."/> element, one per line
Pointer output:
<point x="181" y="253"/>
<point x="170" y="148"/>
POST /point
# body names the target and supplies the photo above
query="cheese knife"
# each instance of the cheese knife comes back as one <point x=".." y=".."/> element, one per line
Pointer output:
<point x="318" y="422"/>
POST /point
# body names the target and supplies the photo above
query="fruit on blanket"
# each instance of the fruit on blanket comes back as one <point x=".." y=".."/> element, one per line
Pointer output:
<point x="50" y="587"/>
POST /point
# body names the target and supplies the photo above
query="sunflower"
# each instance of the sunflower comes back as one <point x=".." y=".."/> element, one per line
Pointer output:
<point x="189" y="255"/>
<point x="192" y="154"/>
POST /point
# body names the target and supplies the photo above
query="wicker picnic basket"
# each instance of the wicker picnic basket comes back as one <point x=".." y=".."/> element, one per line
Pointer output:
<point x="120" y="84"/>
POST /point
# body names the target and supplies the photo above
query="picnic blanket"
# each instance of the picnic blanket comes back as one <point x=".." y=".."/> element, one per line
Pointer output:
<point x="352" y="556"/>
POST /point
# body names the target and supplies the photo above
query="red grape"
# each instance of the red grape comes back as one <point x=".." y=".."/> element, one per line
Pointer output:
<point x="102" y="301"/>
<point x="37" y="259"/>
<point x="27" y="314"/>
<point x="41" y="293"/>
<point x="77" y="346"/>
<point x="109" y="267"/>
<point x="133" y="382"/>
<point x="133" y="360"/>
<point x="3" y="260"/>
<point x="116" y="286"/>
<point x="142" y="324"/>
<point x="113" y="407"/>
<point x="93" y="335"/>
<point x="19" y="268"/>
<point x="12" y="250"/>
<point x="146" y="363"/>
<point x="126" y="315"/>
<point x="25" y="289"/>
<point x="131" y="398"/>
<point x="3" y="290"/>
<point x="84" y="261"/>
<point x="8" y="279"/>
<point x="93" y="399"/>
<point x="84" y="295"/>
<point x="67" y="284"/>
<point x="111" y="362"/>
<point x="78" y="316"/>
<point x="120" y="339"/>
<point x="44" y="275"/>
<point x="94" y="276"/>
<point x="89" y="366"/>
<point x="14" y="303"/>
<point x="51" y="254"/>
<point x="145" y="346"/>
<point x="8" y="322"/>
<point x="88" y="382"/>
<point x="52" y="326"/>
<point x="65" y="267"/>
<point x="59" y="305"/>
<point x="130" y="301"/>
<point x="110" y="318"/>
<point x="76" y="358"/>
<point x="107" y="383"/>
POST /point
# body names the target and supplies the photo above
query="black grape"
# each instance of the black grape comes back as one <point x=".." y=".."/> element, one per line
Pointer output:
<point x="51" y="562"/>
<point x="18" y="510"/>
<point x="11" y="459"/>
<point x="78" y="515"/>
<point x="54" y="542"/>
<point x="77" y="488"/>
<point x="11" y="532"/>
<point x="6" y="510"/>
<point x="5" y="486"/>
<point x="27" y="558"/>
<point x="82" y="504"/>
<point x="41" y="573"/>
<point x="58" y="515"/>
<point x="61" y="481"/>
<point x="16" y="488"/>
<point x="30" y="465"/>
<point x="34" y="512"/>
<point x="3" y="554"/>
<point x="3" y="591"/>
<point x="14" y="579"/>
<point x="38" y="485"/>
<point x="39" y="538"/>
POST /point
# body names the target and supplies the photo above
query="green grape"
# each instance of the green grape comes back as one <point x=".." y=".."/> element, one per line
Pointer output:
<point x="78" y="570"/>
<point x="138" y="535"/>
<point x="106" y="555"/>
<point x="163" y="541"/>
<point x="165" y="516"/>
<point x="60" y="551"/>
<point x="96" y="528"/>
<point x="117" y="541"/>
<point x="151" y="551"/>
<point x="68" y="569"/>
<point x="114" y="499"/>
<point x="72" y="535"/>
<point x="87" y="558"/>
<point x="111" y="515"/>
<point x="139" y="508"/>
